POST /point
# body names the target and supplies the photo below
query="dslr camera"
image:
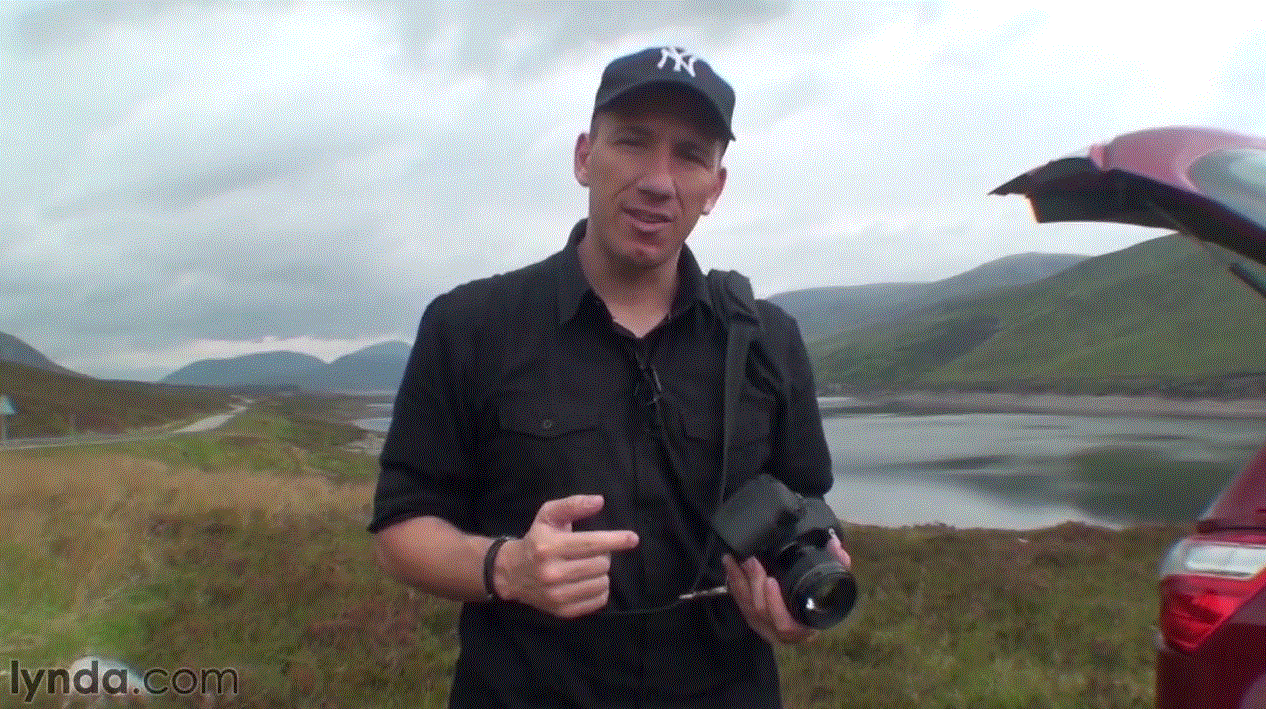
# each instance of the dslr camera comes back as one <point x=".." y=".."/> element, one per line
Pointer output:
<point x="789" y="534"/>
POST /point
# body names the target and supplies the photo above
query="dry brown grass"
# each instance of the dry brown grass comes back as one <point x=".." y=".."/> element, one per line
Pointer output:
<point x="118" y="487"/>
<point x="80" y="528"/>
<point x="96" y="512"/>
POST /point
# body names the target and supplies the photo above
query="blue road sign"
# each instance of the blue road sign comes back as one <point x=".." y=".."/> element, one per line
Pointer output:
<point x="6" y="407"/>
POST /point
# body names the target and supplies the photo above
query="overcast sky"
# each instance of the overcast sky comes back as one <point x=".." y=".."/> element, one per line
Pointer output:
<point x="180" y="181"/>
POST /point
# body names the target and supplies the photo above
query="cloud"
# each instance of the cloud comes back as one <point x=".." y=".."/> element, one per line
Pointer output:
<point x="181" y="176"/>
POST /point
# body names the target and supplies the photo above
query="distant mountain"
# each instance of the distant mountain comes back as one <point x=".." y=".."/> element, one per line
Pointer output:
<point x="1155" y="313"/>
<point x="826" y="311"/>
<point x="14" y="350"/>
<point x="377" y="367"/>
<point x="280" y="368"/>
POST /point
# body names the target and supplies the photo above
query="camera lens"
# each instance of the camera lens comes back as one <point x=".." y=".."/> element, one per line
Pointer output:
<point x="831" y="592"/>
<point x="823" y="594"/>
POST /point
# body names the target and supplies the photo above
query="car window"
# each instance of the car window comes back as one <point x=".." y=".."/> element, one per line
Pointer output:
<point x="1235" y="177"/>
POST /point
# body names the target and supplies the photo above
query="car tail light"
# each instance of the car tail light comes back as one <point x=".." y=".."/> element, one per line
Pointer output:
<point x="1204" y="582"/>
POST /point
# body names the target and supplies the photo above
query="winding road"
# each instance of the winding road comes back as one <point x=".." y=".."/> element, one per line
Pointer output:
<point x="209" y="423"/>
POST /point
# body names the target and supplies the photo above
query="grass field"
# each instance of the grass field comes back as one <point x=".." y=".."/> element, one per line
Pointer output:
<point x="246" y="549"/>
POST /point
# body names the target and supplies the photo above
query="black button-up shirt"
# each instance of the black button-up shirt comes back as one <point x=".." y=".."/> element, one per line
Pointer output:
<point x="522" y="389"/>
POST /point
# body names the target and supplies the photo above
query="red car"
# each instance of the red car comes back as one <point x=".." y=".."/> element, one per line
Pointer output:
<point x="1210" y="185"/>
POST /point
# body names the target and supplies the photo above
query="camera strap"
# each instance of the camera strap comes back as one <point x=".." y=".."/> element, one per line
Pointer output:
<point x="735" y="304"/>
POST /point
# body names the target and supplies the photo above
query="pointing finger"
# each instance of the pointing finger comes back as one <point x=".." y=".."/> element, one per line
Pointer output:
<point x="560" y="513"/>
<point x="579" y="545"/>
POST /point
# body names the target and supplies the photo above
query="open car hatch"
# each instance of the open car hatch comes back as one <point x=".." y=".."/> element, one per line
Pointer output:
<point x="1206" y="183"/>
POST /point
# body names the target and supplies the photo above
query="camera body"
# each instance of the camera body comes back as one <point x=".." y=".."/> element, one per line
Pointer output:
<point x="789" y="534"/>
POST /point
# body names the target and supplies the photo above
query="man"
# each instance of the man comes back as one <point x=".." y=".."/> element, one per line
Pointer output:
<point x="555" y="447"/>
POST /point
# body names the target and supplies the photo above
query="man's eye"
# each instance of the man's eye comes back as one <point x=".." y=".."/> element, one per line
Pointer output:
<point x="694" y="156"/>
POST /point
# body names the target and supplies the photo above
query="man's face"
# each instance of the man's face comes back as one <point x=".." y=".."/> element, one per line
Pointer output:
<point x="651" y="170"/>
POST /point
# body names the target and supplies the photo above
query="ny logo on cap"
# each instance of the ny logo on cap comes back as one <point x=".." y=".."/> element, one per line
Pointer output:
<point x="682" y="60"/>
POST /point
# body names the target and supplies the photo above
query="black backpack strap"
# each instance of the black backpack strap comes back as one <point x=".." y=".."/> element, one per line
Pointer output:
<point x="732" y="296"/>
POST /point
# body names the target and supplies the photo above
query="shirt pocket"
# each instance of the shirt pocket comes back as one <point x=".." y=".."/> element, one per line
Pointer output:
<point x="541" y="450"/>
<point x="750" y="442"/>
<point x="754" y="420"/>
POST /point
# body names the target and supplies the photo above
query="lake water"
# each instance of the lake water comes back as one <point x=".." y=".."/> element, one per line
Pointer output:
<point x="1019" y="471"/>
<point x="1022" y="471"/>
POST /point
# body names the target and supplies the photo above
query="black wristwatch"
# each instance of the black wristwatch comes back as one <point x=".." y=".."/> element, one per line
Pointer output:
<point x="490" y="562"/>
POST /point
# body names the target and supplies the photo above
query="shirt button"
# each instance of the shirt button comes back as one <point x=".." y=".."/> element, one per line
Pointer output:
<point x="547" y="424"/>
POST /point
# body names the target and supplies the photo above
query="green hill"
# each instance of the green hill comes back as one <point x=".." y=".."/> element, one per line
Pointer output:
<point x="55" y="404"/>
<point x="826" y="311"/>
<point x="1155" y="314"/>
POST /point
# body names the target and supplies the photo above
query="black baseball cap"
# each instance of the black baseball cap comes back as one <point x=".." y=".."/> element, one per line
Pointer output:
<point x="667" y="65"/>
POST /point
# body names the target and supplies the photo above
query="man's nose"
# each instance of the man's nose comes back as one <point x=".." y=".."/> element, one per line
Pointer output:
<point x="656" y="180"/>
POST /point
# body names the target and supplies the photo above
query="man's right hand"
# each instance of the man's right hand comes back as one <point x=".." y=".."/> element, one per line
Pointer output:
<point x="556" y="570"/>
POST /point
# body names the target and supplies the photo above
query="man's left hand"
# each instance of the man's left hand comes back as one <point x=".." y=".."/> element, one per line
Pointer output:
<point x="760" y="599"/>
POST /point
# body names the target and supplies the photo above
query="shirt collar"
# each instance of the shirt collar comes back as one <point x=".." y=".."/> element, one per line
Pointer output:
<point x="573" y="286"/>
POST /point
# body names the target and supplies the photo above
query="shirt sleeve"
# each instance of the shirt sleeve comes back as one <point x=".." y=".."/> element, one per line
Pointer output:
<point x="802" y="458"/>
<point x="424" y="465"/>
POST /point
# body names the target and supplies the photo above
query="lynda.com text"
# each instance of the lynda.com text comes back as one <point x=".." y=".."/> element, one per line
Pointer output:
<point x="104" y="678"/>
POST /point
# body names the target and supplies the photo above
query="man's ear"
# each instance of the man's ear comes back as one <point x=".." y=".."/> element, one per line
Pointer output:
<point x="581" y="158"/>
<point x="716" y="190"/>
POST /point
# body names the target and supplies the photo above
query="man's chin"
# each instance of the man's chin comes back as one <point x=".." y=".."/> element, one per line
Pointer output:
<point x="644" y="259"/>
